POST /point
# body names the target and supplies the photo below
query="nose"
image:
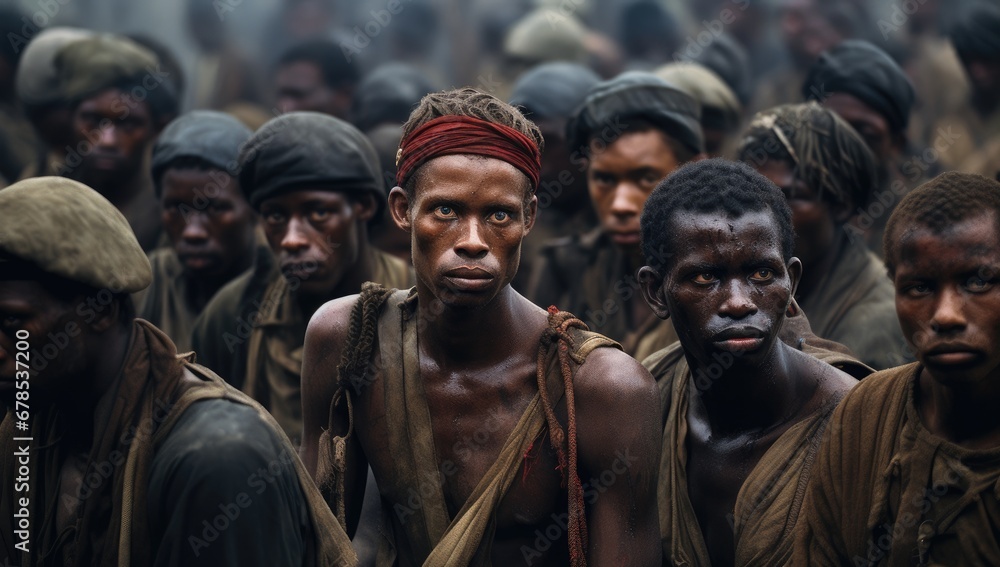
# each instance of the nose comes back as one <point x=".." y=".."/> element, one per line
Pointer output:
<point x="108" y="137"/>
<point x="195" y="229"/>
<point x="470" y="243"/>
<point x="738" y="302"/>
<point x="626" y="201"/>
<point x="948" y="315"/>
<point x="295" y="238"/>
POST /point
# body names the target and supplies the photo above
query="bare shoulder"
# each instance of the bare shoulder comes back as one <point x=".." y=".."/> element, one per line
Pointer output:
<point x="831" y="380"/>
<point x="332" y="320"/>
<point x="613" y="377"/>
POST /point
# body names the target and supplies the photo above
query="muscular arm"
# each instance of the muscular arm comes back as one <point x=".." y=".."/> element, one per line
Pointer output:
<point x="324" y="344"/>
<point x="619" y="435"/>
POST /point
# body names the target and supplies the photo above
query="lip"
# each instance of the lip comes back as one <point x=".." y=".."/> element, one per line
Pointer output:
<point x="198" y="261"/>
<point x="629" y="238"/>
<point x="469" y="278"/>
<point x="105" y="162"/>
<point x="953" y="355"/>
<point x="739" y="340"/>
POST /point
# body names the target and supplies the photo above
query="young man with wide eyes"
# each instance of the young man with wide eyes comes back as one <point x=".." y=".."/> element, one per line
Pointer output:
<point x="485" y="420"/>
<point x="207" y="219"/>
<point x="315" y="182"/>
<point x="742" y="410"/>
<point x="909" y="473"/>
<point x="628" y="134"/>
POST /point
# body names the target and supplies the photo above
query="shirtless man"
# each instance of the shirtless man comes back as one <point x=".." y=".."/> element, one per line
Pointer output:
<point x="461" y="360"/>
<point x="743" y="411"/>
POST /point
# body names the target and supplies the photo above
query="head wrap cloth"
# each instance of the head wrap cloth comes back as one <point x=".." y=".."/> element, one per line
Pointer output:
<point x="452" y="135"/>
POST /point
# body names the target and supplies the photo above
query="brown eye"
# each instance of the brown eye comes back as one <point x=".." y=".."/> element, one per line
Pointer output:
<point x="704" y="278"/>
<point x="763" y="275"/>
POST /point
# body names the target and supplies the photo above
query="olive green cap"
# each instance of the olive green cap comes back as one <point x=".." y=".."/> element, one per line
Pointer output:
<point x="69" y="230"/>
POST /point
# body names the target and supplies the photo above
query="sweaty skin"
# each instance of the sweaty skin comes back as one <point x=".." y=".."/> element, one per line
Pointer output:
<point x="727" y="291"/>
<point x="478" y="345"/>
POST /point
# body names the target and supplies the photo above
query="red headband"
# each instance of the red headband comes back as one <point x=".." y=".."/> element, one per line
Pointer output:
<point x="450" y="135"/>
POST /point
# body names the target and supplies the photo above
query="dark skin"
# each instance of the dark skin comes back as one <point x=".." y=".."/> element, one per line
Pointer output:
<point x="817" y="223"/>
<point x="948" y="303"/>
<point x="77" y="380"/>
<point x="319" y="237"/>
<point x="887" y="145"/>
<point x="478" y="346"/>
<point x="984" y="76"/>
<point x="119" y="130"/>
<point x="620" y="179"/>
<point x="210" y="226"/>
<point x="727" y="292"/>
<point x="300" y="86"/>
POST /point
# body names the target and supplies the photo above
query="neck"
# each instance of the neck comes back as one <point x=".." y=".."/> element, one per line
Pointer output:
<point x="474" y="336"/>
<point x="120" y="193"/>
<point x="963" y="414"/>
<point x="819" y="271"/>
<point x="747" y="398"/>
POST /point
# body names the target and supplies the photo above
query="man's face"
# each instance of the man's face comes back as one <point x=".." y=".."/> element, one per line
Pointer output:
<point x="806" y="32"/>
<point x="948" y="298"/>
<point x="208" y="221"/>
<point x="53" y="329"/>
<point x="315" y="235"/>
<point x="872" y="126"/>
<point x="467" y="220"/>
<point x="119" y="131"/>
<point x="621" y="178"/>
<point x="728" y="287"/>
<point x="815" y="221"/>
<point x="300" y="87"/>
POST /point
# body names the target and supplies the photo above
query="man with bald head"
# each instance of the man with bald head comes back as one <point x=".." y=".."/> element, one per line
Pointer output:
<point x="116" y="451"/>
<point x="315" y="183"/>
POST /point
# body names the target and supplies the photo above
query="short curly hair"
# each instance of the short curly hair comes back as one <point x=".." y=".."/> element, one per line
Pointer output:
<point x="710" y="186"/>
<point x="939" y="204"/>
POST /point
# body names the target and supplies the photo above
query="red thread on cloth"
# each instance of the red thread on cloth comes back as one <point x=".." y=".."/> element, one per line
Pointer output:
<point x="450" y="135"/>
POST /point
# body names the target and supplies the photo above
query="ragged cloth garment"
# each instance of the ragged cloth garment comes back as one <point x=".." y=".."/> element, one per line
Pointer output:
<point x="856" y="305"/>
<point x="888" y="492"/>
<point x="112" y="527"/>
<point x="586" y="274"/>
<point x="274" y="349"/>
<point x="165" y="302"/>
<point x="768" y="504"/>
<point x="430" y="536"/>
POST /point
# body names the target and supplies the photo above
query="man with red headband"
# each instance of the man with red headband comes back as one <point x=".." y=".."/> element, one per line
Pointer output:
<point x="491" y="426"/>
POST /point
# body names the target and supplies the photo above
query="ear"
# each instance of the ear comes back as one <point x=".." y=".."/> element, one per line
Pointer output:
<point x="651" y="285"/>
<point x="794" y="268"/>
<point x="399" y="208"/>
<point x="365" y="206"/>
<point x="531" y="214"/>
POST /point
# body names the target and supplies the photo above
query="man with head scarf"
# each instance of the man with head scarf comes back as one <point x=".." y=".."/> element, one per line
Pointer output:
<point x="974" y="133"/>
<point x="479" y="413"/>
<point x="866" y="88"/>
<point x="909" y="473"/>
<point x="825" y="170"/>
<point x="315" y="182"/>
<point x="548" y="95"/>
<point x="629" y="133"/>
<point x="206" y="218"/>
<point x="120" y="98"/>
<point x="117" y="451"/>
<point x="721" y="111"/>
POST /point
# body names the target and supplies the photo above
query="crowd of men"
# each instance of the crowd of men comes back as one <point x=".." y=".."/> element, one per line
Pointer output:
<point x="625" y="309"/>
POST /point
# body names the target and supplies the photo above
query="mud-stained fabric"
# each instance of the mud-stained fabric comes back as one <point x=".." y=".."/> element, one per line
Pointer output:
<point x="885" y="491"/>
<point x="431" y="536"/>
<point x="112" y="525"/>
<point x="585" y="274"/>
<point x="856" y="305"/>
<point x="274" y="349"/>
<point x="165" y="302"/>
<point x="768" y="504"/>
